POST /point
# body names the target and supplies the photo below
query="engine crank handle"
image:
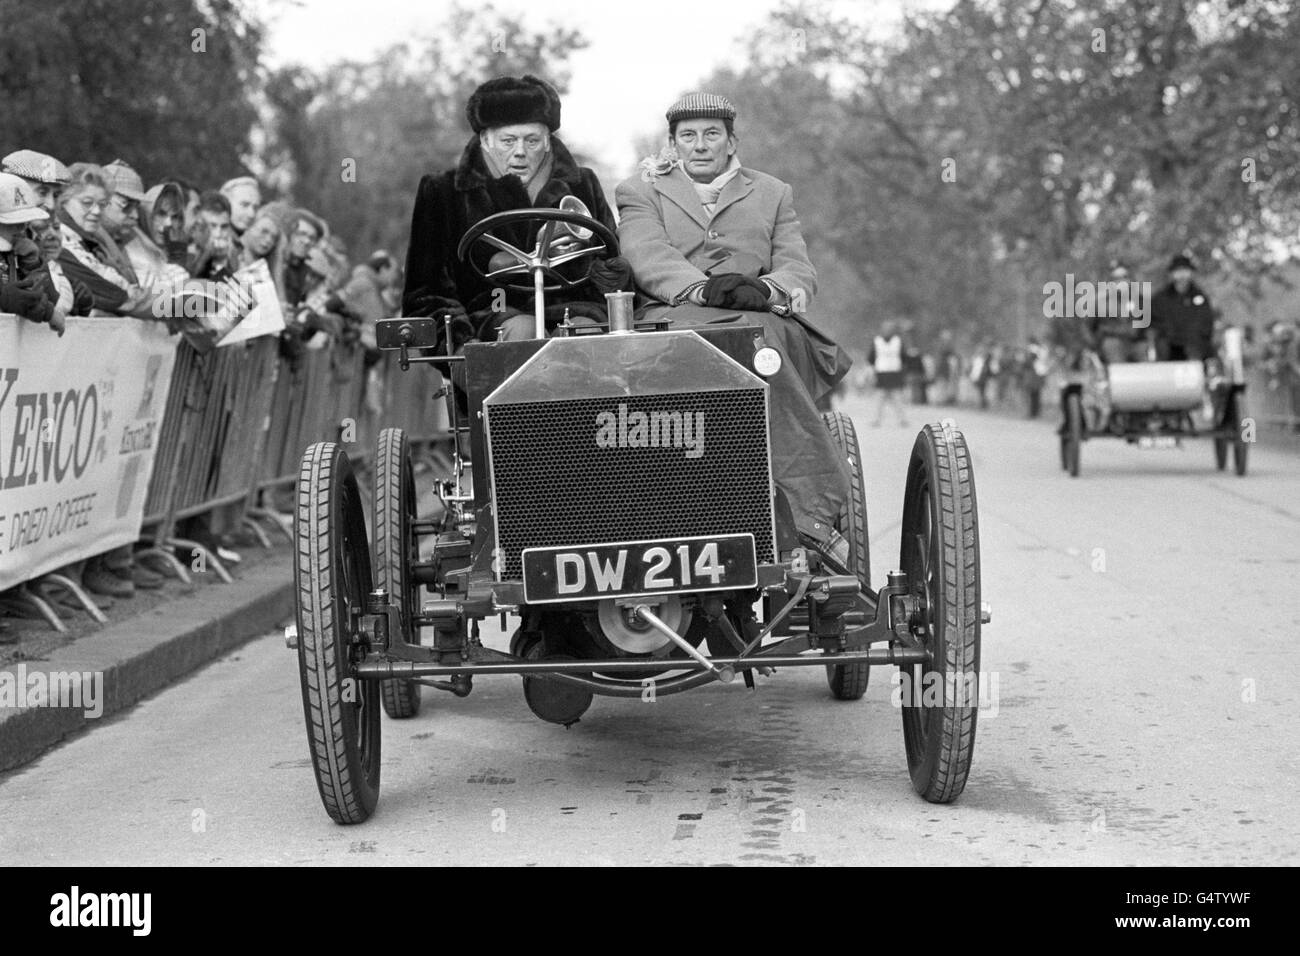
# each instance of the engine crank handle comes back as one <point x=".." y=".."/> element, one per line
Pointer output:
<point x="724" y="674"/>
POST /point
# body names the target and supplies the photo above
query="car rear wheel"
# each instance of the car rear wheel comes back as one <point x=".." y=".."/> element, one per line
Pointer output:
<point x="849" y="681"/>
<point x="940" y="554"/>
<point x="396" y="549"/>
<point x="332" y="579"/>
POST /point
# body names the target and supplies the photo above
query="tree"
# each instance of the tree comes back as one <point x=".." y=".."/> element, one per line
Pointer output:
<point x="351" y="142"/>
<point x="166" y="85"/>
<point x="947" y="173"/>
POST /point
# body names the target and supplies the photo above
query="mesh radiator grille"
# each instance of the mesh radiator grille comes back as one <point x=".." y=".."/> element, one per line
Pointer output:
<point x="555" y="484"/>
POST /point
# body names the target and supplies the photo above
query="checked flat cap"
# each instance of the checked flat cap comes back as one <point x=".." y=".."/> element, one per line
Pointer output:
<point x="121" y="178"/>
<point x="701" y="106"/>
<point x="37" y="167"/>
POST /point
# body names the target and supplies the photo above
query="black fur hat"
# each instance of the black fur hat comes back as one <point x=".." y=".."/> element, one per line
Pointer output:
<point x="507" y="100"/>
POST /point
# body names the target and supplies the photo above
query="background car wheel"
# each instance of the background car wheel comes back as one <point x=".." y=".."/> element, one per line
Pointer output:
<point x="1072" y="438"/>
<point x="332" y="577"/>
<point x="940" y="554"/>
<point x="396" y="548"/>
<point x="849" y="681"/>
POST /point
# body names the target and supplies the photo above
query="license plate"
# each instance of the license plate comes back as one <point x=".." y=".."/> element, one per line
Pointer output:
<point x="1157" y="441"/>
<point x="590" y="572"/>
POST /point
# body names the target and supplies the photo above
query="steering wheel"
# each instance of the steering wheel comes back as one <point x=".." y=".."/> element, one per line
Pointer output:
<point x="525" y="263"/>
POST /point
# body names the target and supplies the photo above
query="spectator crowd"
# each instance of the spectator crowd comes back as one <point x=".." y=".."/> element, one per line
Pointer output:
<point x="94" y="240"/>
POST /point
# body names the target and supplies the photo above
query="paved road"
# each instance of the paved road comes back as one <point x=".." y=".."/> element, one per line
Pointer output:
<point x="1147" y="674"/>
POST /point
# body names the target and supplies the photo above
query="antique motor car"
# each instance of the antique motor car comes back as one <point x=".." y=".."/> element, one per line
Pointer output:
<point x="1156" y="404"/>
<point x="620" y="507"/>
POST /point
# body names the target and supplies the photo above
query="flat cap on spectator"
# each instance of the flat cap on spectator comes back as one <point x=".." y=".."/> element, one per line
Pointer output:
<point x="37" y="167"/>
<point x="701" y="106"/>
<point x="122" y="179"/>
<point x="17" y="204"/>
<point x="1182" y="261"/>
<point x="232" y="184"/>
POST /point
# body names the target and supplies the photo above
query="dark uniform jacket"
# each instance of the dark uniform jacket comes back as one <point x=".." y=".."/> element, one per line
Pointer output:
<point x="447" y="204"/>
<point x="1183" y="323"/>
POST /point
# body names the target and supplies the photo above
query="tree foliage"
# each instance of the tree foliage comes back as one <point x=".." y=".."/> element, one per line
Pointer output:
<point x="93" y="80"/>
<point x="351" y="141"/>
<point x="950" y="171"/>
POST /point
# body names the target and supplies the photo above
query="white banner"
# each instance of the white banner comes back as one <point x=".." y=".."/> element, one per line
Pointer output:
<point x="80" y="418"/>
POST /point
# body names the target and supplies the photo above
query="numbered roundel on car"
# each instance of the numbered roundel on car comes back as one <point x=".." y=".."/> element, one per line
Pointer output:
<point x="767" y="361"/>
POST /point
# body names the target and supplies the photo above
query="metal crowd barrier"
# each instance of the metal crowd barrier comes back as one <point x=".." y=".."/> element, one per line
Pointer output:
<point x="238" y="419"/>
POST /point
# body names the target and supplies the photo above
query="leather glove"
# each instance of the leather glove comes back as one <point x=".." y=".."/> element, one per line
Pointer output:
<point x="611" y="275"/>
<point x="29" y="303"/>
<point x="736" y="292"/>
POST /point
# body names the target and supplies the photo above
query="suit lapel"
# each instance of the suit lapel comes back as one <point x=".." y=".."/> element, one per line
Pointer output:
<point x="737" y="189"/>
<point x="677" y="187"/>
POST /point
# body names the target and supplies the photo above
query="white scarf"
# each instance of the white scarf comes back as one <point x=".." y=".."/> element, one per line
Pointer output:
<point x="710" y="191"/>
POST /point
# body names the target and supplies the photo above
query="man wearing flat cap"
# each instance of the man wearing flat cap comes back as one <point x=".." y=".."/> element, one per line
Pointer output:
<point x="710" y="240"/>
<point x="44" y="174"/>
<point x="514" y="160"/>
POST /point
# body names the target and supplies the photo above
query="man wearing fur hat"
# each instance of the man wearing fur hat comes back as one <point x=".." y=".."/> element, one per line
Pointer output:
<point x="513" y="161"/>
<point x="714" y="241"/>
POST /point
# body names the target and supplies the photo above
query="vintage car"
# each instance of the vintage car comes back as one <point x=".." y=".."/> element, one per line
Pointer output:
<point x="1156" y="404"/>
<point x="621" y="510"/>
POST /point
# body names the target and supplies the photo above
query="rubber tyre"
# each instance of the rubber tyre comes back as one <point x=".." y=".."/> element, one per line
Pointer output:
<point x="849" y="681"/>
<point x="1220" y="453"/>
<point x="940" y="553"/>
<point x="1072" y="439"/>
<point x="396" y="548"/>
<point x="331" y="577"/>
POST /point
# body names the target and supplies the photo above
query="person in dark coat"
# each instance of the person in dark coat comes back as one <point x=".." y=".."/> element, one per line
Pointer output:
<point x="1182" y="319"/>
<point x="513" y="161"/>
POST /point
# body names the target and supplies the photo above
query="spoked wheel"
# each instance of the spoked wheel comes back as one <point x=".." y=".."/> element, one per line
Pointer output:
<point x="332" y="578"/>
<point x="940" y="554"/>
<point x="396" y="549"/>
<point x="849" y="681"/>
<point x="1072" y="434"/>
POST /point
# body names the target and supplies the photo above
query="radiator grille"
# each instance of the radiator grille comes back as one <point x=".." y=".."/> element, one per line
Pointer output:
<point x="555" y="485"/>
